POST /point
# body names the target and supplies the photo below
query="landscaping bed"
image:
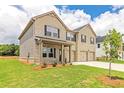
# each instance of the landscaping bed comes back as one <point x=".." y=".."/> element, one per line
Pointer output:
<point x="113" y="81"/>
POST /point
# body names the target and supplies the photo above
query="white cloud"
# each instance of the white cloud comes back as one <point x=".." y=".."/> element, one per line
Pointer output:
<point x="116" y="7"/>
<point x="107" y="21"/>
<point x="75" y="18"/>
<point x="13" y="20"/>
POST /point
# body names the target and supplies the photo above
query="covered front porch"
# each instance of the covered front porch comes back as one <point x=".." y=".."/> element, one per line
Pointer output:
<point x="53" y="50"/>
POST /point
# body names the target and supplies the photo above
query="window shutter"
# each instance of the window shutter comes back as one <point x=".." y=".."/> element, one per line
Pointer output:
<point x="45" y="30"/>
<point x="75" y="37"/>
<point x="58" y="33"/>
<point x="85" y="38"/>
<point x="54" y="52"/>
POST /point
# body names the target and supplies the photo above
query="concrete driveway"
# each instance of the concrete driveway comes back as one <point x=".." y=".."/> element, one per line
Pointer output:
<point x="118" y="67"/>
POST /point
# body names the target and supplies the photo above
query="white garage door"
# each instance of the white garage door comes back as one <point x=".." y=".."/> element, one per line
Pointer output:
<point x="90" y="56"/>
<point x="83" y="56"/>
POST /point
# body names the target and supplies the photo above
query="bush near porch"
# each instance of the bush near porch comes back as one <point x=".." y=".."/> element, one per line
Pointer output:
<point x="15" y="74"/>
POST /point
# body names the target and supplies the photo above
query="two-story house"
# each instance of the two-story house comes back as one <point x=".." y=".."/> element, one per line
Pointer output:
<point x="47" y="39"/>
<point x="100" y="52"/>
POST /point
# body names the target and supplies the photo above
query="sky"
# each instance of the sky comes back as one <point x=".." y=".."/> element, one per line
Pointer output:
<point x="102" y="18"/>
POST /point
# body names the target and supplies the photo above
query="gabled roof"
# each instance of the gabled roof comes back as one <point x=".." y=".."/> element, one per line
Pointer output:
<point x="41" y="15"/>
<point x="27" y="26"/>
<point x="79" y="28"/>
<point x="51" y="13"/>
<point x="100" y="39"/>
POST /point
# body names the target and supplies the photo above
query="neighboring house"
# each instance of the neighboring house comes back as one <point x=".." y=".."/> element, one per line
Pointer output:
<point x="99" y="46"/>
<point x="100" y="52"/>
<point x="47" y="39"/>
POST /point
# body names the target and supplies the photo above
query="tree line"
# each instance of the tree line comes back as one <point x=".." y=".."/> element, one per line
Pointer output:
<point x="9" y="50"/>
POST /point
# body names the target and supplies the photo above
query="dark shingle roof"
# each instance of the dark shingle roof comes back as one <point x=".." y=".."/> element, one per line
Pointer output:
<point x="100" y="39"/>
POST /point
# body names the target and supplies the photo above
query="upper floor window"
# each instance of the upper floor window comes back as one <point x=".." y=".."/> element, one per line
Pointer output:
<point x="70" y="36"/>
<point x="91" y="40"/>
<point x="98" y="45"/>
<point x="83" y="38"/>
<point x="51" y="31"/>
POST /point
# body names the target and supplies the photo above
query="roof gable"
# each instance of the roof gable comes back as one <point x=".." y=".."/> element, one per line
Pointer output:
<point x="41" y="15"/>
<point x="87" y="25"/>
<point x="54" y="14"/>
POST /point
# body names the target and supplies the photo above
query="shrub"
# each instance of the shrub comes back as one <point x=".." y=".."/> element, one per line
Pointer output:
<point x="54" y="64"/>
<point x="63" y="64"/>
<point x="44" y="65"/>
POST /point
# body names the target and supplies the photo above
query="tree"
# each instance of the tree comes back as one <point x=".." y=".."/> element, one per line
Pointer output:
<point x="112" y="44"/>
<point x="9" y="50"/>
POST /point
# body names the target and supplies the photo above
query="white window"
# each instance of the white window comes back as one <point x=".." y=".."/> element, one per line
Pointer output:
<point x="51" y="31"/>
<point x="44" y="52"/>
<point x="91" y="40"/>
<point x="83" y="38"/>
<point x="70" y="36"/>
<point x="49" y="52"/>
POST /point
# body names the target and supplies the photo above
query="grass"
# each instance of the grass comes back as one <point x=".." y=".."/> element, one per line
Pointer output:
<point x="17" y="75"/>
<point x="117" y="61"/>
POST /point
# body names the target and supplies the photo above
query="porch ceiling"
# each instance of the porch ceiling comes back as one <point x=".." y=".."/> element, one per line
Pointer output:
<point x="54" y="41"/>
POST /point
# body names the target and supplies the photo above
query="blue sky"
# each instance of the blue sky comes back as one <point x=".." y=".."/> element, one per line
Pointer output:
<point x="93" y="10"/>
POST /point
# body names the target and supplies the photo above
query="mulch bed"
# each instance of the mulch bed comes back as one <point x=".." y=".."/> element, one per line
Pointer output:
<point x="41" y="67"/>
<point x="48" y="67"/>
<point x="115" y="81"/>
<point x="25" y="62"/>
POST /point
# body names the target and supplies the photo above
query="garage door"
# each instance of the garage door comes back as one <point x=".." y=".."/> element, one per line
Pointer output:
<point x="90" y="56"/>
<point x="83" y="56"/>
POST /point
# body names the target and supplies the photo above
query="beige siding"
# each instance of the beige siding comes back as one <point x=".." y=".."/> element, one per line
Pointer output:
<point x="26" y="44"/>
<point x="73" y="57"/>
<point x="27" y="35"/>
<point x="83" y="56"/>
<point x="54" y="22"/>
<point x="51" y="21"/>
<point x="85" y="46"/>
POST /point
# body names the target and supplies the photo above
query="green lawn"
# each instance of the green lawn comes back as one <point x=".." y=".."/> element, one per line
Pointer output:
<point x="117" y="61"/>
<point x="15" y="74"/>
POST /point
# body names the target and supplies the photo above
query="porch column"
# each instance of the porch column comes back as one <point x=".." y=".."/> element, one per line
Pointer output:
<point x="62" y="48"/>
<point x="40" y="50"/>
<point x="70" y="54"/>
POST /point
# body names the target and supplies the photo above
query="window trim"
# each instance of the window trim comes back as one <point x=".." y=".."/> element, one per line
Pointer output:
<point x="48" y="51"/>
<point x="70" y="36"/>
<point x="57" y="31"/>
<point x="92" y="42"/>
<point x="85" y="38"/>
